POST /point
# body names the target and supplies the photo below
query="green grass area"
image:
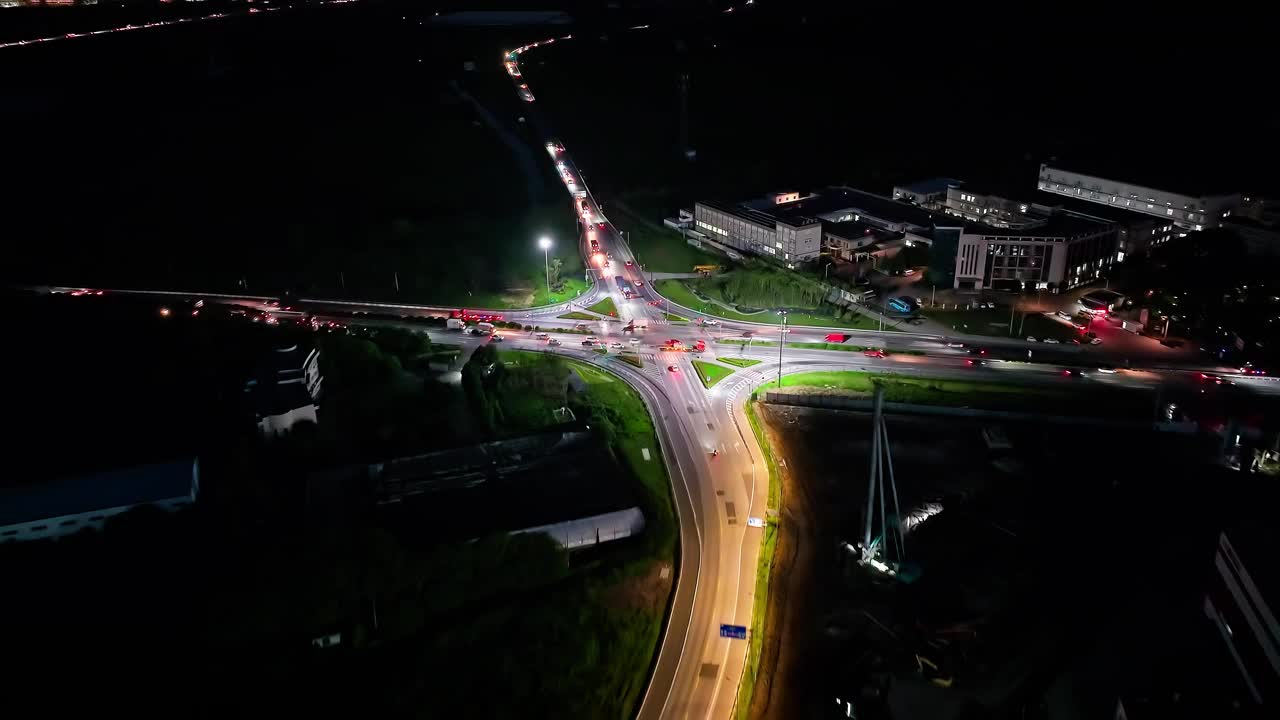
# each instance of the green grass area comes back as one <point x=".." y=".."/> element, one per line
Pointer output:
<point x="605" y="307"/>
<point x="710" y="373"/>
<point x="739" y="362"/>
<point x="995" y="323"/>
<point x="838" y="347"/>
<point x="679" y="292"/>
<point x="592" y="375"/>
<point x="657" y="247"/>
<point x="631" y="359"/>
<point x="575" y="315"/>
<point x="1081" y="400"/>
<point x="600" y="350"/>
<point x="764" y="565"/>
<point x="672" y="317"/>
<point x="573" y="287"/>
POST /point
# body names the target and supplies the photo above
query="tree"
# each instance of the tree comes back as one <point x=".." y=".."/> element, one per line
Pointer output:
<point x="556" y="265"/>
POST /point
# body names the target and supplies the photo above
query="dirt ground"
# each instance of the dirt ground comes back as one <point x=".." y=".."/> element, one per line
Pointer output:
<point x="779" y="687"/>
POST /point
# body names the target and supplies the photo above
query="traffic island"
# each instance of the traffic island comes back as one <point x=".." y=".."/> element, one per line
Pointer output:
<point x="710" y="373"/>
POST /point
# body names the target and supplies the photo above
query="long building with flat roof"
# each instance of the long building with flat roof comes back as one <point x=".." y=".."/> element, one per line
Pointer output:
<point x="1062" y="252"/>
<point x="1191" y="210"/>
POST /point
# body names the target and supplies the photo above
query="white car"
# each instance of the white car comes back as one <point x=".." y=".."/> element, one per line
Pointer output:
<point x="1096" y="341"/>
<point x="635" y="341"/>
<point x="543" y="336"/>
<point x="709" y="321"/>
<point x="591" y="338"/>
<point x="616" y="345"/>
<point x="1051" y="341"/>
<point x="1030" y="339"/>
<point x="955" y="344"/>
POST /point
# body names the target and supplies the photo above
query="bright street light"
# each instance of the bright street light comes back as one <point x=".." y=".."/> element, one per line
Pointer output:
<point x="544" y="242"/>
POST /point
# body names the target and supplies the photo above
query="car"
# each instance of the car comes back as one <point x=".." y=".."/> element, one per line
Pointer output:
<point x="1030" y="339"/>
<point x="973" y="361"/>
<point x="543" y="336"/>
<point x="1071" y="372"/>
<point x="1215" y="379"/>
<point x="909" y="271"/>
<point x="1095" y="341"/>
<point x="616" y="345"/>
<point x="991" y="306"/>
<point x="635" y="341"/>
<point x="628" y="263"/>
<point x="710" y="321"/>
<point x="588" y="343"/>
<point x="1052" y="341"/>
<point x="639" y="283"/>
<point x="1079" y="324"/>
<point x="1063" y="314"/>
<point x="495" y="338"/>
<point x="1107" y="369"/>
<point x="955" y="344"/>
<point x="580" y="326"/>
<point x="593" y="338"/>
<point x="673" y="368"/>
<point x="875" y="353"/>
<point x="553" y="342"/>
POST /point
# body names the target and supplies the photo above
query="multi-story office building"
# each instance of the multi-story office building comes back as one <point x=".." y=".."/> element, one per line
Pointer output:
<point x="1136" y="232"/>
<point x="1187" y="210"/>
<point x="1062" y="252"/>
<point x="1237" y="603"/>
<point x="930" y="194"/>
<point x="995" y="209"/>
<point x="789" y="238"/>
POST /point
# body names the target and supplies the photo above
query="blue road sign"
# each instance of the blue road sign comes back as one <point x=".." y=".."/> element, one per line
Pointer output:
<point x="736" y="632"/>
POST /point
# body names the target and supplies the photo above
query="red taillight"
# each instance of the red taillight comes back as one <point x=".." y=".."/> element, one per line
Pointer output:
<point x="968" y="362"/>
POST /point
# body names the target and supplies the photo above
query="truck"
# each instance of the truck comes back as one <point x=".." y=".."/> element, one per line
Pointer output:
<point x="454" y="323"/>
<point x="624" y="287"/>
<point x="836" y="337"/>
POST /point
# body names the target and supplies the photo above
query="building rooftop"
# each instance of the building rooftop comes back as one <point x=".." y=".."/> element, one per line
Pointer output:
<point x="85" y="493"/>
<point x="754" y="216"/>
<point x="839" y="198"/>
<point x="856" y="229"/>
<point x="1057" y="225"/>
<point x="931" y="186"/>
<point x="1155" y="175"/>
<point x="1102" y="211"/>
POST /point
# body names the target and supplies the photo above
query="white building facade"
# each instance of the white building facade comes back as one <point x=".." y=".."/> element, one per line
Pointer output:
<point x="1190" y="212"/>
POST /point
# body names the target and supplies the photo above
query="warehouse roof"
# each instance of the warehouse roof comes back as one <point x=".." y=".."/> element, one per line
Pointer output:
<point x="137" y="485"/>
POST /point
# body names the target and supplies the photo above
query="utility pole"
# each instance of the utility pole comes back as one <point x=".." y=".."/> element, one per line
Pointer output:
<point x="1012" y="308"/>
<point x="396" y="276"/>
<point x="933" y="299"/>
<point x="782" y="342"/>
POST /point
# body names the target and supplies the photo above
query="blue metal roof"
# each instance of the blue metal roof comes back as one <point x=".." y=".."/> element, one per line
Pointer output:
<point x="85" y="493"/>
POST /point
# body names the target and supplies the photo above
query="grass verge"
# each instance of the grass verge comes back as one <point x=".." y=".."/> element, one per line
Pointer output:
<point x="672" y="317"/>
<point x="740" y="362"/>
<point x="1060" y="400"/>
<point x="710" y="373"/>
<point x="631" y="359"/>
<point x="605" y="307"/>
<point x="575" y="315"/>
<point x="679" y="292"/>
<point x="764" y="565"/>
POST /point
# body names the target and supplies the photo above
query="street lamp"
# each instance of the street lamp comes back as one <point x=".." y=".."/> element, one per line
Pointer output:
<point x="782" y="342"/>
<point x="544" y="242"/>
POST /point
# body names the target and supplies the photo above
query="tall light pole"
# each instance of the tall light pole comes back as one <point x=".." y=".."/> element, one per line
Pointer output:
<point x="544" y="242"/>
<point x="782" y="342"/>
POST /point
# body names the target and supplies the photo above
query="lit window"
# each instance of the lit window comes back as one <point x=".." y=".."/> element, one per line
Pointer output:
<point x="1169" y="211"/>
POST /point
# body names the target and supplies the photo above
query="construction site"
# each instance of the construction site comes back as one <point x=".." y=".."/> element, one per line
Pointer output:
<point x="961" y="568"/>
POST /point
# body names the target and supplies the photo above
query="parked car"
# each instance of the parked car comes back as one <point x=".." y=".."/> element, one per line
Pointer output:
<point x="1051" y="341"/>
<point x="1030" y="339"/>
